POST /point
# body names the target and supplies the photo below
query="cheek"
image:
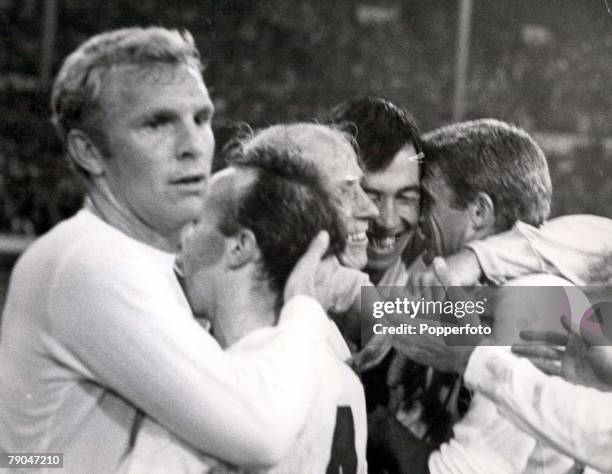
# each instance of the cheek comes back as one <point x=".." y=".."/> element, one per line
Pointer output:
<point x="354" y="258"/>
<point x="409" y="214"/>
<point x="213" y="248"/>
<point x="344" y="212"/>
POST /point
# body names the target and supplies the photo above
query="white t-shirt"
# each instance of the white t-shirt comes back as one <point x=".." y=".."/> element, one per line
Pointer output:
<point x="333" y="438"/>
<point x="488" y="438"/>
<point x="96" y="329"/>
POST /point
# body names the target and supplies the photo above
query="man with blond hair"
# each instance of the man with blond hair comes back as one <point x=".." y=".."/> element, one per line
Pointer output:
<point x="96" y="330"/>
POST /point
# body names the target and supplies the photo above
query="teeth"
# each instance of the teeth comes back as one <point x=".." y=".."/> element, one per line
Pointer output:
<point x="383" y="244"/>
<point x="386" y="242"/>
<point x="357" y="237"/>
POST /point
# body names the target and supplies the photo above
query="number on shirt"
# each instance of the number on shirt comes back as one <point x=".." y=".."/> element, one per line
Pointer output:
<point x="343" y="458"/>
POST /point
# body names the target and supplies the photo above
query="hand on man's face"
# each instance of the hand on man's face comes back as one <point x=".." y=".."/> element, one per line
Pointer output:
<point x="463" y="267"/>
<point x="302" y="280"/>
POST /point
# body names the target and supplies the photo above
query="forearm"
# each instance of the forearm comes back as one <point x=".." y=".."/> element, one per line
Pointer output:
<point x="575" y="420"/>
<point x="577" y="248"/>
<point x="149" y="349"/>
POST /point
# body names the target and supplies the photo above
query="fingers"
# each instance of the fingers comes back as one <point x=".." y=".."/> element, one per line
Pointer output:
<point x="540" y="352"/>
<point x="301" y="279"/>
<point x="441" y="271"/>
<point x="452" y="289"/>
<point x="546" y="358"/>
<point x="545" y="337"/>
<point x="315" y="251"/>
<point x="566" y="323"/>
<point x="372" y="354"/>
<point x="548" y="366"/>
<point x="592" y="329"/>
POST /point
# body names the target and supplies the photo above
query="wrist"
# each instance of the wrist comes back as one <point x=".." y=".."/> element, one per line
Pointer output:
<point x="463" y="354"/>
<point x="465" y="266"/>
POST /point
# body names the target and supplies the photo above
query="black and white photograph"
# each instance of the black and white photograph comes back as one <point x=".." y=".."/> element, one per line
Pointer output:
<point x="306" y="236"/>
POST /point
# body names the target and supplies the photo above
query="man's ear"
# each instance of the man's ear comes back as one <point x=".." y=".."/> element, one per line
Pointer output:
<point x="84" y="152"/>
<point x="482" y="212"/>
<point x="243" y="249"/>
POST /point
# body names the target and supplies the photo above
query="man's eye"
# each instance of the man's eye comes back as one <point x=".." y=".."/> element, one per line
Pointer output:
<point x="202" y="118"/>
<point x="375" y="197"/>
<point x="346" y="190"/>
<point x="156" y="122"/>
<point x="409" y="200"/>
<point x="153" y="124"/>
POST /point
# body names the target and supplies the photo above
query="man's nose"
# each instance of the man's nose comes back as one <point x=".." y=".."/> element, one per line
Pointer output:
<point x="192" y="141"/>
<point x="388" y="217"/>
<point x="422" y="218"/>
<point x="365" y="208"/>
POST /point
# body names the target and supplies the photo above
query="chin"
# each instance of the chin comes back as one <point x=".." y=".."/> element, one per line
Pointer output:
<point x="354" y="260"/>
<point x="379" y="263"/>
<point x="188" y="210"/>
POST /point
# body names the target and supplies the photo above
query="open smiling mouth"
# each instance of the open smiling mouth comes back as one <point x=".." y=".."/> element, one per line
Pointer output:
<point x="383" y="243"/>
<point x="357" y="238"/>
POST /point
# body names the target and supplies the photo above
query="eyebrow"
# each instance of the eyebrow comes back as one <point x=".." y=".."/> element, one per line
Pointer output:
<point x="158" y="114"/>
<point x="413" y="188"/>
<point x="208" y="109"/>
<point x="426" y="192"/>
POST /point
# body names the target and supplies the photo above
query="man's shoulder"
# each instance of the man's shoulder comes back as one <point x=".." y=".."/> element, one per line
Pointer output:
<point x="539" y="279"/>
<point x="80" y="230"/>
<point x="83" y="246"/>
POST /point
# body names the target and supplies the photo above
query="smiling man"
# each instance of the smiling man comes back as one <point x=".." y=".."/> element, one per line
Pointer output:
<point x="331" y="152"/>
<point x="481" y="178"/>
<point x="389" y="148"/>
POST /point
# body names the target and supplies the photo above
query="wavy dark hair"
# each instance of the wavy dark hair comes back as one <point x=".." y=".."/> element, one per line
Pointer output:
<point x="285" y="208"/>
<point x="495" y="158"/>
<point x="380" y="129"/>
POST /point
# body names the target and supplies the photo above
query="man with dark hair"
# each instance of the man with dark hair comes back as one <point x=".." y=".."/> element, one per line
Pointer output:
<point x="261" y="214"/>
<point x="383" y="134"/>
<point x="472" y="172"/>
<point x="330" y="151"/>
<point x="285" y="207"/>
<point x="380" y="131"/>
<point x="389" y="147"/>
<point x="488" y="166"/>
<point x="493" y="158"/>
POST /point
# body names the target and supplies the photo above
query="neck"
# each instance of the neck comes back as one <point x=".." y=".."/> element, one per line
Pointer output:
<point x="242" y="308"/>
<point x="102" y="203"/>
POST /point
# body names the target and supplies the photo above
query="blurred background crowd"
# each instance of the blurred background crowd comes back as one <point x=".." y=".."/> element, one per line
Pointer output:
<point x="545" y="65"/>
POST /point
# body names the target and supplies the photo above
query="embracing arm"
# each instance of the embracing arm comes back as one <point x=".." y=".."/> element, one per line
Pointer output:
<point x="576" y="247"/>
<point x="121" y="323"/>
<point x="574" y="419"/>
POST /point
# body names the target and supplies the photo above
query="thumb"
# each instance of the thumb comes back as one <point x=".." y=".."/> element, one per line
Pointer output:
<point x="315" y="251"/>
<point x="591" y="328"/>
<point x="565" y="322"/>
<point x="441" y="271"/>
<point x="453" y="290"/>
